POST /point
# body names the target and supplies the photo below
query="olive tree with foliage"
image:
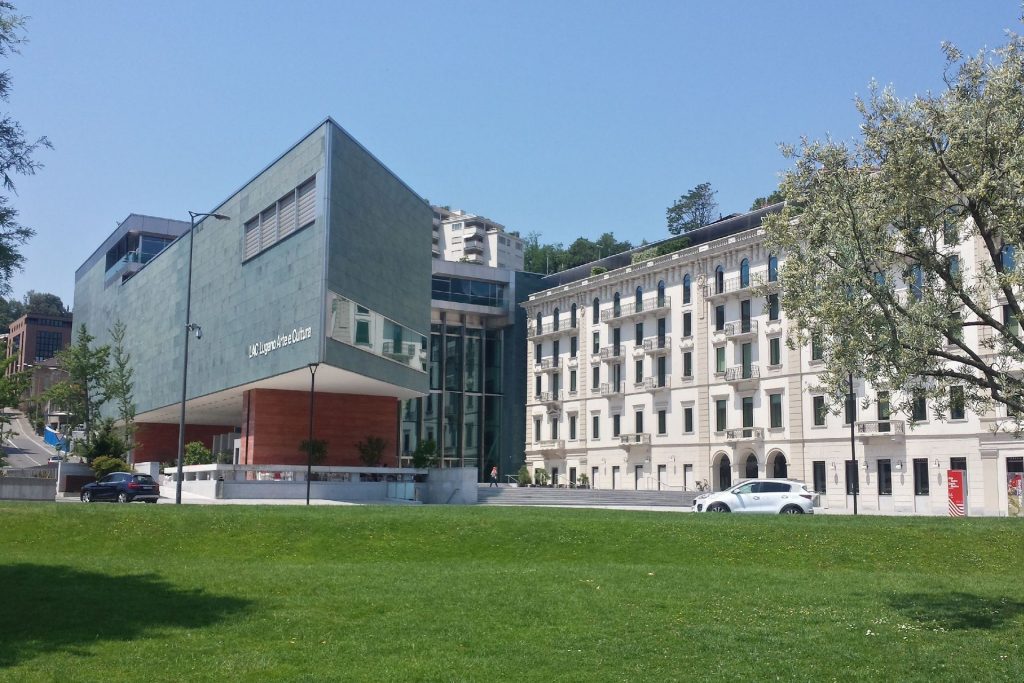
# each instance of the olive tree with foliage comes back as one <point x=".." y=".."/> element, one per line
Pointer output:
<point x="371" y="450"/>
<point x="16" y="154"/>
<point x="879" y="236"/>
<point x="120" y="384"/>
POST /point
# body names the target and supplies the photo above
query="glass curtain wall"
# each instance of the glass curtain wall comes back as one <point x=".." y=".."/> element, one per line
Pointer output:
<point x="462" y="413"/>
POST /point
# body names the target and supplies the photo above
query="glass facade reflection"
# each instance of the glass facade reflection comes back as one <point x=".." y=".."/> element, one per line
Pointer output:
<point x="355" y="325"/>
<point x="466" y="291"/>
<point x="464" y="416"/>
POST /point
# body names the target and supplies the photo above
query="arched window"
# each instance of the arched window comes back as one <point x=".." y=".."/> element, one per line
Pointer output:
<point x="554" y="321"/>
<point x="744" y="274"/>
<point x="595" y="313"/>
<point x="773" y="268"/>
<point x="719" y="280"/>
<point x="661" y="293"/>
<point x="639" y="299"/>
<point x="686" y="288"/>
<point x="616" y="305"/>
<point x="780" y="471"/>
<point x="540" y="325"/>
<point x="751" y="468"/>
<point x="724" y="473"/>
<point x="572" y="316"/>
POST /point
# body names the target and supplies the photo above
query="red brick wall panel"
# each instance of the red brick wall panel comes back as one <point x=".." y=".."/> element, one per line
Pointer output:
<point x="158" y="441"/>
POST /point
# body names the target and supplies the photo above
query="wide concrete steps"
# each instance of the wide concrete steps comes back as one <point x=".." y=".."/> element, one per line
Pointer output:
<point x="510" y="495"/>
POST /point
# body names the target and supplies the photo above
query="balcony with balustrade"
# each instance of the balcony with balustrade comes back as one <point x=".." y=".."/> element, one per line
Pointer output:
<point x="547" y="365"/>
<point x="743" y="435"/>
<point x="658" y="346"/>
<point x="743" y="376"/>
<point x="654" y="384"/>
<point x="741" y="330"/>
<point x="612" y="389"/>
<point x="551" y="330"/>
<point x="637" y="309"/>
<point x="635" y="440"/>
<point x="612" y="354"/>
<point x="870" y="430"/>
<point x="549" y="397"/>
<point x="547" y="446"/>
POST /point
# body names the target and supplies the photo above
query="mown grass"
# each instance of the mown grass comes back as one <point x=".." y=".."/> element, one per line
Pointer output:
<point x="107" y="592"/>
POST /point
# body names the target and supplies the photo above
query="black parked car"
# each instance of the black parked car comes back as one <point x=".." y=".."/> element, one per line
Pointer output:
<point x="124" y="487"/>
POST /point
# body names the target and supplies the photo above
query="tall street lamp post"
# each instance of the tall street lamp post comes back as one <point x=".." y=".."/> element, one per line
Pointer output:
<point x="189" y="328"/>
<point x="309" y="441"/>
<point x="853" y="444"/>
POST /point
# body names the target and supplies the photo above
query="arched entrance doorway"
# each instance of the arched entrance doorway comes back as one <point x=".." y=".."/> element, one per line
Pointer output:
<point x="751" y="468"/>
<point x="778" y="467"/>
<point x="722" y="472"/>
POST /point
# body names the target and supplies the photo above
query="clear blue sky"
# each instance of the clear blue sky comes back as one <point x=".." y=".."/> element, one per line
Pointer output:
<point x="563" y="118"/>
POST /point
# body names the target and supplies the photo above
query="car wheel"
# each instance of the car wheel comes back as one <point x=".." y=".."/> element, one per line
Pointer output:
<point x="792" y="510"/>
<point x="718" y="507"/>
<point x="122" y="497"/>
<point x="86" y="496"/>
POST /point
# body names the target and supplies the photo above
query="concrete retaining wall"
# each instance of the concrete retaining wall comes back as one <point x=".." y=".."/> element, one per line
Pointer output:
<point x="451" y="486"/>
<point x="27" y="488"/>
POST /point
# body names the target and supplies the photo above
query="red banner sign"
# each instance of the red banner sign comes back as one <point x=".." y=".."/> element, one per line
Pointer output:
<point x="955" y="486"/>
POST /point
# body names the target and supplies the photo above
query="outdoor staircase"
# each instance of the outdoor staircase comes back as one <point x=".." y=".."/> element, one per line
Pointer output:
<point x="534" y="495"/>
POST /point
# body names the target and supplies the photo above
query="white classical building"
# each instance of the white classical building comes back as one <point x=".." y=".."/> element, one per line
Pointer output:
<point x="671" y="374"/>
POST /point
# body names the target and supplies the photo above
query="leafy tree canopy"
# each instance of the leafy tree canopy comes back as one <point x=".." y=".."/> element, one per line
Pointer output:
<point x="901" y="247"/>
<point x="693" y="210"/>
<point x="16" y="154"/>
<point x="774" y="198"/>
<point x="553" y="258"/>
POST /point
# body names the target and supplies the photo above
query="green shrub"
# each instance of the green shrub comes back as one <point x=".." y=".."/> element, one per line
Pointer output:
<point x="425" y="454"/>
<point x="315" y="450"/>
<point x="104" y="464"/>
<point x="371" y="450"/>
<point x="523" y="477"/>
<point x="197" y="454"/>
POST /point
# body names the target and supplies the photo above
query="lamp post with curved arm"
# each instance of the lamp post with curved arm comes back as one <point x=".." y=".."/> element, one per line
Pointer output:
<point x="189" y="328"/>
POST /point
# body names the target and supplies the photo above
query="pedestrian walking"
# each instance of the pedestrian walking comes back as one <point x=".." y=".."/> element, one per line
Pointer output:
<point x="494" y="477"/>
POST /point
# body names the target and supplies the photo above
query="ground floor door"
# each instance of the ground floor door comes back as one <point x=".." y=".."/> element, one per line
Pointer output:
<point x="554" y="476"/>
<point x="593" y="476"/>
<point x="615" y="477"/>
<point x="688" y="480"/>
<point x="638" y="475"/>
<point x="662" y="470"/>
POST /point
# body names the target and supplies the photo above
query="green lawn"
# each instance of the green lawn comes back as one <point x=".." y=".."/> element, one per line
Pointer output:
<point x="140" y="592"/>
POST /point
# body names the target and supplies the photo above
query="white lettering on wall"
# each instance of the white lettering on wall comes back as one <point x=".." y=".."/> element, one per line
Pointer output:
<point x="262" y="348"/>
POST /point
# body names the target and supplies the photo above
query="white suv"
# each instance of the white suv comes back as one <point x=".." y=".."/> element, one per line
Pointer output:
<point x="772" y="496"/>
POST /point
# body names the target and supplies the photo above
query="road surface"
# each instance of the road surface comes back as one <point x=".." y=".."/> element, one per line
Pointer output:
<point x="24" y="448"/>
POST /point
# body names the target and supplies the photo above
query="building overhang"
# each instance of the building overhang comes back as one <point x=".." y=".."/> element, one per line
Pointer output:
<point x="225" y="407"/>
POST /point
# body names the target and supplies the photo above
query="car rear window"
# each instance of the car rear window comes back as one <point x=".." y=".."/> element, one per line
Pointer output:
<point x="144" y="479"/>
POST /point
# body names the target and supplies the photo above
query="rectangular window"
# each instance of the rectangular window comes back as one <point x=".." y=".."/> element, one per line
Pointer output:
<point x="719" y="318"/>
<point x="817" y="352"/>
<point x="687" y="364"/>
<point x="537" y="353"/>
<point x="662" y="327"/>
<point x="572" y="381"/>
<point x="595" y="427"/>
<point x="745" y="315"/>
<point x="958" y="463"/>
<point x="556" y="351"/>
<point x="688" y="420"/>
<point x="617" y="341"/>
<point x="639" y="371"/>
<point x="574" y="342"/>
<point x="1011" y="323"/>
<point x="554" y="427"/>
<point x="596" y="378"/>
<point x="661" y="370"/>
<point x="773" y="306"/>
<point x="616" y="423"/>
<point x="638" y="421"/>
<point x="720" y="413"/>
<point x="775" y="351"/>
<point x="775" y="405"/>
<point x="536" y="429"/>
<point x="921" y="483"/>
<point x="572" y="428"/>
<point x="919" y="407"/>
<point x="719" y="359"/>
<point x="638" y="334"/>
<point x="850" y="409"/>
<point x="536" y="385"/>
<point x="885" y="477"/>
<point x="687" y="325"/>
<point x="748" y="412"/>
<point x="956" y="403"/>
<point x="819" y="476"/>
<point x="662" y="422"/>
<point x="883" y="407"/>
<point x="852" y="478"/>
<point x="596" y="347"/>
<point x="819" y="410"/>
<point x="290" y="213"/>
